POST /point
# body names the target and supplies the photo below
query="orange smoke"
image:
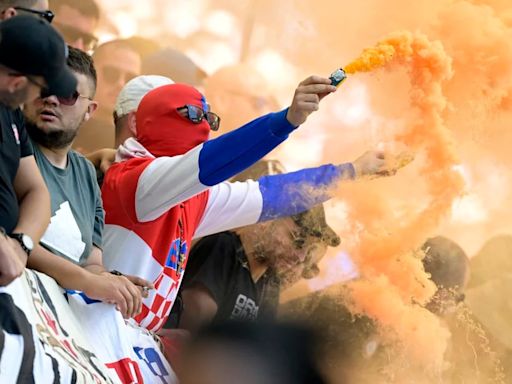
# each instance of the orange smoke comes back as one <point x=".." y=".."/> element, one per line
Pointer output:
<point x="393" y="283"/>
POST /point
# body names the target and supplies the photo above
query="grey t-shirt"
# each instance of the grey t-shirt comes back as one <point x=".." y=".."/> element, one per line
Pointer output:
<point x="77" y="211"/>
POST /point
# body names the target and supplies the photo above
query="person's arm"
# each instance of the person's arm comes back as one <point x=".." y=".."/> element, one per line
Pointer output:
<point x="102" y="159"/>
<point x="233" y="205"/>
<point x="33" y="198"/>
<point x="199" y="308"/>
<point x="167" y="181"/>
<point x="11" y="266"/>
<point x="103" y="287"/>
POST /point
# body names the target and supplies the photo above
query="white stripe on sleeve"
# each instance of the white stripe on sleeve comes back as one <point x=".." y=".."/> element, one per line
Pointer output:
<point x="231" y="205"/>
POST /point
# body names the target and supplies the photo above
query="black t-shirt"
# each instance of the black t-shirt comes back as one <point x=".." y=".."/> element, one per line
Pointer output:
<point x="219" y="263"/>
<point x="14" y="145"/>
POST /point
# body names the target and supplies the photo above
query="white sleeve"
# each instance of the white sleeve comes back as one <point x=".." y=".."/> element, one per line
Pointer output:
<point x="231" y="205"/>
<point x="166" y="182"/>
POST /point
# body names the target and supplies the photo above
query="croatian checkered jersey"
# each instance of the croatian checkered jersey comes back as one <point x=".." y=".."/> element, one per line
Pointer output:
<point x="155" y="207"/>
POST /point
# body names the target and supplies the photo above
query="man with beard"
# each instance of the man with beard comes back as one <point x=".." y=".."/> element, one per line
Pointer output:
<point x="74" y="237"/>
<point x="32" y="58"/>
<point x="239" y="274"/>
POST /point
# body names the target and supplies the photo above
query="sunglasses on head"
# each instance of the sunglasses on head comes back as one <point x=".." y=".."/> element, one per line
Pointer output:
<point x="196" y="115"/>
<point x="72" y="34"/>
<point x="47" y="15"/>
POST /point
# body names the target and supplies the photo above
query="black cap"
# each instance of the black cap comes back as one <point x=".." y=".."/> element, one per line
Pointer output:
<point x="311" y="221"/>
<point x="30" y="46"/>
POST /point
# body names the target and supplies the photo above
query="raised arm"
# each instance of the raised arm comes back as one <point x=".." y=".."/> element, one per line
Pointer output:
<point x="169" y="180"/>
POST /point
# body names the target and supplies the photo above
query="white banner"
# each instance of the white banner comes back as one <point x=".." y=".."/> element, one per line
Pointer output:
<point x="49" y="336"/>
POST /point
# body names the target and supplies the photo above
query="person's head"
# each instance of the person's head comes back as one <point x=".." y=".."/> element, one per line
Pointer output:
<point x="53" y="122"/>
<point x="37" y="8"/>
<point x="291" y="246"/>
<point x="448" y="266"/>
<point x="128" y="102"/>
<point x="239" y="94"/>
<point x="32" y="61"/>
<point x="173" y="119"/>
<point x="77" y="21"/>
<point x="172" y="63"/>
<point x="117" y="63"/>
<point x="251" y="353"/>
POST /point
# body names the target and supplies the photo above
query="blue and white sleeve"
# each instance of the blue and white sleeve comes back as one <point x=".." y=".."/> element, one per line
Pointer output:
<point x="233" y="205"/>
<point x="168" y="181"/>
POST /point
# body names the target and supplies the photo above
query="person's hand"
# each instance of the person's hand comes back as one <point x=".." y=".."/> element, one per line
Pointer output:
<point x="307" y="98"/>
<point x="142" y="284"/>
<point x="379" y="163"/>
<point x="116" y="290"/>
<point x="11" y="264"/>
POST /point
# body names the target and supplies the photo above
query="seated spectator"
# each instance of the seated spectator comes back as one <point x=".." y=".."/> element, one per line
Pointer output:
<point x="70" y="249"/>
<point x="252" y="353"/>
<point x="77" y="22"/>
<point x="32" y="60"/>
<point x="238" y="275"/>
<point x="116" y="63"/>
<point x="168" y="186"/>
<point x="37" y="8"/>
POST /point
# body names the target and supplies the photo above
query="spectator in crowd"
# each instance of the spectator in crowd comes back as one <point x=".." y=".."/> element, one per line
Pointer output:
<point x="38" y="8"/>
<point x="124" y="118"/>
<point x="239" y="93"/>
<point x="77" y="21"/>
<point x="116" y="63"/>
<point x="74" y="237"/>
<point x="32" y="60"/>
<point x="252" y="353"/>
<point x="448" y="266"/>
<point x="238" y="275"/>
<point x="168" y="186"/>
<point x="174" y="64"/>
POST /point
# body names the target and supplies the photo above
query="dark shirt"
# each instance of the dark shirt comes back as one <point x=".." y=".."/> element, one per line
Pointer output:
<point x="220" y="265"/>
<point x="14" y="145"/>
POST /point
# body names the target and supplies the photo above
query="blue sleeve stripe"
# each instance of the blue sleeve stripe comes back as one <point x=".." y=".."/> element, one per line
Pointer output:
<point x="229" y="154"/>
<point x="292" y="193"/>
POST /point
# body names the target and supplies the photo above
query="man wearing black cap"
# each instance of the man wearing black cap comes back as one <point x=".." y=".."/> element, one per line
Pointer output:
<point x="238" y="275"/>
<point x="32" y="61"/>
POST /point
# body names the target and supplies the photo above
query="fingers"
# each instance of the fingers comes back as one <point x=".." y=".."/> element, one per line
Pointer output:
<point x="121" y="303"/>
<point x="314" y="79"/>
<point x="140" y="281"/>
<point x="316" y="89"/>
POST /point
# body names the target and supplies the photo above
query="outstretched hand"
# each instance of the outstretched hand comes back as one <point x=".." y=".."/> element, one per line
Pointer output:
<point x="379" y="163"/>
<point x="307" y="98"/>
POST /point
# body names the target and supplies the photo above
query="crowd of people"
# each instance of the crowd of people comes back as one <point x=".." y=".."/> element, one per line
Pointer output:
<point x="130" y="175"/>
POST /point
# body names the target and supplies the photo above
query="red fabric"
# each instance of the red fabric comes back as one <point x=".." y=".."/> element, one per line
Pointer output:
<point x="161" y="129"/>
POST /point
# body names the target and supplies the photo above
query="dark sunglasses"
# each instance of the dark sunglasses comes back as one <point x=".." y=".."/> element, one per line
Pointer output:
<point x="113" y="74"/>
<point x="71" y="100"/>
<point x="47" y="15"/>
<point x="196" y="115"/>
<point x="72" y="34"/>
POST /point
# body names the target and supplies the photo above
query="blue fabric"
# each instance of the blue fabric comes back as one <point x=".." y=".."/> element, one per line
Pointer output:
<point x="229" y="154"/>
<point x="295" y="192"/>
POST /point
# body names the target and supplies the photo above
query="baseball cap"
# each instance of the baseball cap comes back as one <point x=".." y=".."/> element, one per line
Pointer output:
<point x="132" y="93"/>
<point x="30" y="46"/>
<point x="312" y="221"/>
